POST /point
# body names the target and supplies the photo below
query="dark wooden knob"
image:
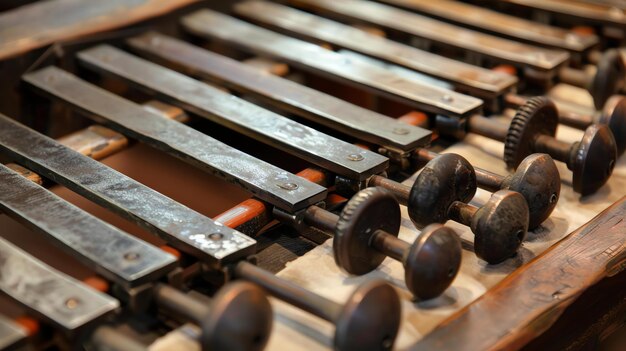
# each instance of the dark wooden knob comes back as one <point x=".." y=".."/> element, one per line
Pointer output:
<point x="500" y="226"/>
<point x="538" y="180"/>
<point x="444" y="180"/>
<point x="356" y="330"/>
<point x="240" y="319"/>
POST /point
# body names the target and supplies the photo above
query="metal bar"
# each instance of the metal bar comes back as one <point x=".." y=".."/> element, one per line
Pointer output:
<point x="12" y="337"/>
<point x="109" y="251"/>
<point x="235" y="113"/>
<point x="591" y="13"/>
<point x="503" y="50"/>
<point x="210" y="24"/>
<point x="269" y="183"/>
<point x="52" y="295"/>
<point x="177" y="224"/>
<point x="483" y="19"/>
<point x="472" y="79"/>
<point x="299" y="99"/>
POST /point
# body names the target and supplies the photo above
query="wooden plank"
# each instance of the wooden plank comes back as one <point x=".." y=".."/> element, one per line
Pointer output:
<point x="589" y="12"/>
<point x="527" y="302"/>
<point x="46" y="22"/>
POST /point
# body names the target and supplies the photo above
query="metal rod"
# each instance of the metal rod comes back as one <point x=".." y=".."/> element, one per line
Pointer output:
<point x="399" y="190"/>
<point x="289" y="292"/>
<point x="179" y="304"/>
<point x="488" y="180"/>
<point x="389" y="245"/>
<point x="321" y="219"/>
<point x="462" y="212"/>
<point x="106" y="338"/>
<point x="574" y="77"/>
<point x="487" y="127"/>
<point x="559" y="150"/>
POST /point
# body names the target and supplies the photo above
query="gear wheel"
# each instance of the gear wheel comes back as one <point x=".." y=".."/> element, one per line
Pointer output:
<point x="537" y="116"/>
<point x="369" y="210"/>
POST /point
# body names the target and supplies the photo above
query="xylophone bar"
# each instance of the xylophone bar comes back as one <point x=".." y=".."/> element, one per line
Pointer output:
<point x="475" y="80"/>
<point x="268" y="182"/>
<point x="302" y="100"/>
<point x="50" y="294"/>
<point x="12" y="337"/>
<point x="213" y="25"/>
<point x="503" y="50"/>
<point x="512" y="27"/>
<point x="249" y="119"/>
<point x="177" y="224"/>
<point x="116" y="255"/>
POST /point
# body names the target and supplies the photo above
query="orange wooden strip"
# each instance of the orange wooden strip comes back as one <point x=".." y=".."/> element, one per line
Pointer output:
<point x="170" y="250"/>
<point x="30" y="325"/>
<point x="507" y="69"/>
<point x="97" y="283"/>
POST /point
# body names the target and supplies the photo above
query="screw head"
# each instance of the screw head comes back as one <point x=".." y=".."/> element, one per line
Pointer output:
<point x="131" y="256"/>
<point x="400" y="131"/>
<point x="288" y="186"/>
<point x="216" y="236"/>
<point x="355" y="157"/>
<point x="72" y="302"/>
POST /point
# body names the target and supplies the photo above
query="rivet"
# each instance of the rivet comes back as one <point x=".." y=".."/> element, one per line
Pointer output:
<point x="72" y="303"/>
<point x="400" y="131"/>
<point x="216" y="236"/>
<point x="288" y="186"/>
<point x="131" y="256"/>
<point x="355" y="157"/>
<point x="447" y="98"/>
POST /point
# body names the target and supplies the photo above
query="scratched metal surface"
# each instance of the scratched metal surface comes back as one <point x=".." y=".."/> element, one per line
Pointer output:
<point x="188" y="144"/>
<point x="514" y="27"/>
<point x="109" y="251"/>
<point x="223" y="108"/>
<point x="49" y="293"/>
<point x="309" y="103"/>
<point x="480" y="81"/>
<point x="604" y="14"/>
<point x="505" y="50"/>
<point x="210" y="24"/>
<point x="177" y="224"/>
<point x="11" y="335"/>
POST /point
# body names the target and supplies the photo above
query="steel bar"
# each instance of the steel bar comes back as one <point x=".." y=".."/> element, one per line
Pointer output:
<point x="299" y="99"/>
<point x="177" y="224"/>
<point x="109" y="251"/>
<point x="267" y="182"/>
<point x="503" y="50"/>
<point x="247" y="118"/>
<point x="50" y="294"/>
<point x="474" y="80"/>
<point x="516" y="28"/>
<point x="12" y="336"/>
<point x="428" y="98"/>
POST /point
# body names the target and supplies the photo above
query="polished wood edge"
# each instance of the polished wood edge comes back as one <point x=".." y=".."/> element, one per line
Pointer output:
<point x="527" y="302"/>
<point x="86" y="23"/>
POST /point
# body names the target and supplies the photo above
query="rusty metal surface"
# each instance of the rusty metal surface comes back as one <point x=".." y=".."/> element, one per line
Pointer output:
<point x="46" y="22"/>
<point x="516" y="28"/>
<point x="11" y="335"/>
<point x="109" y="251"/>
<point x="309" y="103"/>
<point x="52" y="295"/>
<point x="504" y="50"/>
<point x="182" y="227"/>
<point x="479" y="81"/>
<point x="312" y="57"/>
<point x="269" y="183"/>
<point x="221" y="107"/>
